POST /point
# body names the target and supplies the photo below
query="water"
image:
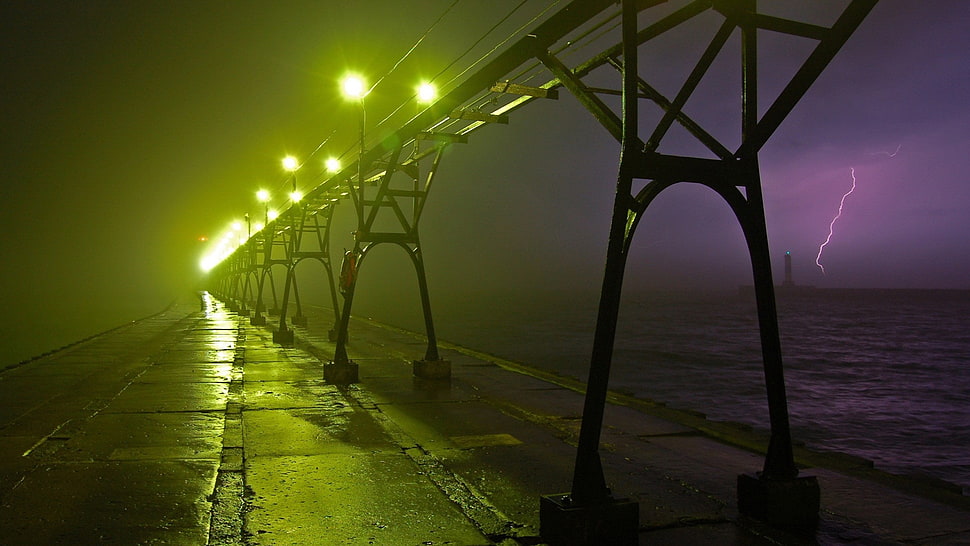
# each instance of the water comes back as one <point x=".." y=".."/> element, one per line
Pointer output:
<point x="883" y="375"/>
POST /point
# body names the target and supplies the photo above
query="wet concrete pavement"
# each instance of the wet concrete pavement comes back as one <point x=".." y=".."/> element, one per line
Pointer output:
<point x="192" y="427"/>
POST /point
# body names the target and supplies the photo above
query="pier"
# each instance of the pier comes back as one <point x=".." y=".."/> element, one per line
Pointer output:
<point x="193" y="427"/>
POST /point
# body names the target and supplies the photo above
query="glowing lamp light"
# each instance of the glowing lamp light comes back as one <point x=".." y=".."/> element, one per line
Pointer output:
<point x="353" y="87"/>
<point x="290" y="163"/>
<point x="208" y="262"/>
<point x="258" y="227"/>
<point x="223" y="246"/>
<point x="332" y="164"/>
<point x="427" y="92"/>
<point x="295" y="196"/>
<point x="262" y="196"/>
<point x="272" y="214"/>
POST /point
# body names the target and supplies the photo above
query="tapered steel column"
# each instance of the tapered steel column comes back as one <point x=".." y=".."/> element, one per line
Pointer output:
<point x="283" y="335"/>
<point x="431" y="353"/>
<point x="779" y="460"/>
<point x="589" y="514"/>
<point x="589" y="485"/>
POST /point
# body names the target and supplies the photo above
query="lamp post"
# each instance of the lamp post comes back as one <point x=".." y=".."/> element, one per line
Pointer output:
<point x="426" y="94"/>
<point x="292" y="165"/>
<point x="284" y="335"/>
<point x="245" y="263"/>
<point x="263" y="197"/>
<point x="354" y="88"/>
<point x="295" y="197"/>
<point x="342" y="370"/>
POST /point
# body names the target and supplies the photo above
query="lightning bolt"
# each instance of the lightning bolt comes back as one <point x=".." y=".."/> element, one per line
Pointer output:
<point x="818" y="259"/>
<point x="887" y="154"/>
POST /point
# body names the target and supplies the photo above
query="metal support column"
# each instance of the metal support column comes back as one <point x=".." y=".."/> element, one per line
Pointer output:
<point x="777" y="494"/>
<point x="284" y="335"/>
<point x="590" y="514"/>
<point x="391" y="199"/>
<point x="323" y="240"/>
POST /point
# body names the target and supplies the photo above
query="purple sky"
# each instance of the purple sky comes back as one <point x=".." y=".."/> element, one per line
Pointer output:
<point x="130" y="129"/>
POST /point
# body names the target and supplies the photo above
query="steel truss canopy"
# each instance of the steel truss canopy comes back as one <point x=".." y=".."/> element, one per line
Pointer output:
<point x="651" y="73"/>
<point x="491" y="93"/>
<point x="554" y="55"/>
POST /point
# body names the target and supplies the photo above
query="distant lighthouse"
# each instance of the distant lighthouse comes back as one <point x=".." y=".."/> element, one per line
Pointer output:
<point x="788" y="280"/>
<point x="786" y="288"/>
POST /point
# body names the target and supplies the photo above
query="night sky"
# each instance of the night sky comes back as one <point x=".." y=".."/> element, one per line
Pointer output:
<point x="132" y="129"/>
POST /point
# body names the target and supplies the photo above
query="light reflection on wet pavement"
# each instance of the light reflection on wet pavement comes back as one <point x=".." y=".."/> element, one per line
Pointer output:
<point x="194" y="428"/>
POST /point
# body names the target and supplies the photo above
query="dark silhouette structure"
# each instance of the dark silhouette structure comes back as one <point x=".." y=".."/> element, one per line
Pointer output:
<point x="393" y="177"/>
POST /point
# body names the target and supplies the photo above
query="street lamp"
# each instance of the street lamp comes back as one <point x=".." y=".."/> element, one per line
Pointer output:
<point x="341" y="369"/>
<point x="354" y="88"/>
<point x="332" y="164"/>
<point x="292" y="164"/>
<point x="284" y="335"/>
<point x="427" y="93"/>
<point x="263" y="197"/>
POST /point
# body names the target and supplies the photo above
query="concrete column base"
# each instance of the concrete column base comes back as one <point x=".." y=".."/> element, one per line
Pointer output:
<point x="340" y="374"/>
<point x="432" y="369"/>
<point x="243" y="312"/>
<point x="298" y="320"/>
<point x="274" y="311"/>
<point x="283" y="337"/>
<point x="787" y="504"/>
<point x="562" y="523"/>
<point x="257" y="320"/>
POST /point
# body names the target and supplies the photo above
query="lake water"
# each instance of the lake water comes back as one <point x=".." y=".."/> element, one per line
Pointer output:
<point x="881" y="374"/>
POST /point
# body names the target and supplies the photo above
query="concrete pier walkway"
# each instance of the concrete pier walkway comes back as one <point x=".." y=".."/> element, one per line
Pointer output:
<point x="192" y="427"/>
